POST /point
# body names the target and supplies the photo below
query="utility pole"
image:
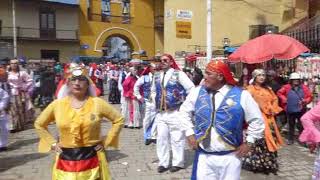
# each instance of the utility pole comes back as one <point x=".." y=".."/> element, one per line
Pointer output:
<point x="209" y="30"/>
<point x="14" y="29"/>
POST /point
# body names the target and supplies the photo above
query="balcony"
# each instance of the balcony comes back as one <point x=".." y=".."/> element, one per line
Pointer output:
<point x="159" y="22"/>
<point x="39" y="34"/>
<point x="124" y="19"/>
<point x="309" y="36"/>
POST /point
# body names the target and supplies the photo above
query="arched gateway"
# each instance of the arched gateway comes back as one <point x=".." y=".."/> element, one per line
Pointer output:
<point x="118" y="42"/>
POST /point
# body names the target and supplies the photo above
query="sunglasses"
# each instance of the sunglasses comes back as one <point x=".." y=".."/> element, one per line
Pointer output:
<point x="165" y="60"/>
<point x="80" y="78"/>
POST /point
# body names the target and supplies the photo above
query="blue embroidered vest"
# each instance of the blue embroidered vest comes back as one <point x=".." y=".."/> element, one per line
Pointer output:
<point x="146" y="87"/>
<point x="172" y="95"/>
<point x="228" y="119"/>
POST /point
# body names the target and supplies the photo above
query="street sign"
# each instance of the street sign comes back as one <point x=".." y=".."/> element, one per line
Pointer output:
<point x="184" y="14"/>
<point x="169" y="13"/>
<point x="183" y="30"/>
<point x="84" y="46"/>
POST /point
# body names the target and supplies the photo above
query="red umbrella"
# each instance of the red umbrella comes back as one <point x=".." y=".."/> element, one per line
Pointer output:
<point x="267" y="47"/>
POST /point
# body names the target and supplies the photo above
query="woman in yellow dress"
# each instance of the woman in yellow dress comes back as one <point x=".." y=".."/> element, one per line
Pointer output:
<point x="78" y="115"/>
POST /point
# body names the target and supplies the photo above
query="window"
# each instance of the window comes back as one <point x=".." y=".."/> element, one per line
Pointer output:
<point x="318" y="31"/>
<point x="0" y="26"/>
<point x="261" y="29"/>
<point x="105" y="10"/>
<point x="47" y="23"/>
<point x="89" y="10"/>
<point x="126" y="11"/>
<point x="256" y="31"/>
<point x="50" y="54"/>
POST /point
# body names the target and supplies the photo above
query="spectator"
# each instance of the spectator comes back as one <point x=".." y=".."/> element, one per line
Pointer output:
<point x="294" y="97"/>
<point x="197" y="76"/>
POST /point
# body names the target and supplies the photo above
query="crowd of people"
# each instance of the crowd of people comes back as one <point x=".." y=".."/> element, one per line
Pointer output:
<point x="230" y="126"/>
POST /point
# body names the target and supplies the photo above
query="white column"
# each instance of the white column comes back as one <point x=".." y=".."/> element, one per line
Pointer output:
<point x="209" y="30"/>
<point x="14" y="29"/>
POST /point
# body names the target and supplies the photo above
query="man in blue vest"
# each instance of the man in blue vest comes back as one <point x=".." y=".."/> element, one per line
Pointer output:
<point x="168" y="92"/>
<point x="142" y="91"/>
<point x="220" y="109"/>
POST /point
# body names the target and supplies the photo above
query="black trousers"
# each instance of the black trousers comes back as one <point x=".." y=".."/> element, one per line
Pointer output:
<point x="292" y="118"/>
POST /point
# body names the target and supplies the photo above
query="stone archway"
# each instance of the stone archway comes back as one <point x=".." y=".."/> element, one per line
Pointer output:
<point x="122" y="33"/>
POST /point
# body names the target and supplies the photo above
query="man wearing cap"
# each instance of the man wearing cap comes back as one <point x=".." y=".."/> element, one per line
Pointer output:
<point x="220" y="110"/>
<point x="168" y="91"/>
<point x="294" y="98"/>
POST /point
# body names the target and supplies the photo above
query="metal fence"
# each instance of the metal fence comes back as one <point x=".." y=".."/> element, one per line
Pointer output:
<point x="35" y="33"/>
<point x="309" y="36"/>
<point x="124" y="19"/>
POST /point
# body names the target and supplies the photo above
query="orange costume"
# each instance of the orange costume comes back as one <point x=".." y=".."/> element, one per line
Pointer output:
<point x="268" y="103"/>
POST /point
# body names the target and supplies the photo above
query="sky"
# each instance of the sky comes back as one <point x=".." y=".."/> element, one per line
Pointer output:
<point x="65" y="1"/>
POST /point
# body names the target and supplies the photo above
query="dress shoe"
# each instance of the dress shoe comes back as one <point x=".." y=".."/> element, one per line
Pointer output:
<point x="148" y="142"/>
<point x="289" y="142"/>
<point x="175" y="169"/>
<point x="14" y="131"/>
<point x="162" y="169"/>
<point x="3" y="149"/>
<point x="154" y="141"/>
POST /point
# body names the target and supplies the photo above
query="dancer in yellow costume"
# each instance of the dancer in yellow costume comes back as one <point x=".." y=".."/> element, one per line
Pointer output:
<point x="78" y="115"/>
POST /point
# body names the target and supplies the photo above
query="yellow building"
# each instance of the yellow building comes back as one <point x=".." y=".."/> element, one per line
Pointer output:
<point x="116" y="28"/>
<point x="233" y="20"/>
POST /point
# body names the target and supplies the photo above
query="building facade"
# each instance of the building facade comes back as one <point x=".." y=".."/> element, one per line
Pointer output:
<point x="44" y="29"/>
<point x="307" y="30"/>
<point x="233" y="22"/>
<point x="116" y="28"/>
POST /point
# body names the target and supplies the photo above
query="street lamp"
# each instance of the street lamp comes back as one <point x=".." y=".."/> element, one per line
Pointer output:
<point x="198" y="50"/>
<point x="226" y="42"/>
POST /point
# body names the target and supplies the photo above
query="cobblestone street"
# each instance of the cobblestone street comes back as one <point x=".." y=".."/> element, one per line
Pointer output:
<point x="134" y="161"/>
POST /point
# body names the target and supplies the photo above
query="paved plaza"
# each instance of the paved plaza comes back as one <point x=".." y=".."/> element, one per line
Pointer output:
<point x="134" y="160"/>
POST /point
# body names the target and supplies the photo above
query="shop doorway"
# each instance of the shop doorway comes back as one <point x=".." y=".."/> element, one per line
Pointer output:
<point x="50" y="54"/>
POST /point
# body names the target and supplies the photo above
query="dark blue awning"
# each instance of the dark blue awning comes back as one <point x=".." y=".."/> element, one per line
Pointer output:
<point x="307" y="55"/>
<point x="230" y="49"/>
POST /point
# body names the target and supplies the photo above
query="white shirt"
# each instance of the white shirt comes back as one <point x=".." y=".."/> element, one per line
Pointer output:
<point x="4" y="103"/>
<point x="138" y="84"/>
<point x="183" y="80"/>
<point x="120" y="79"/>
<point x="252" y="116"/>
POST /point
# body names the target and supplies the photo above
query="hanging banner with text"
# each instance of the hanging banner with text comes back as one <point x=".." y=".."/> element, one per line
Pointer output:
<point x="183" y="30"/>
